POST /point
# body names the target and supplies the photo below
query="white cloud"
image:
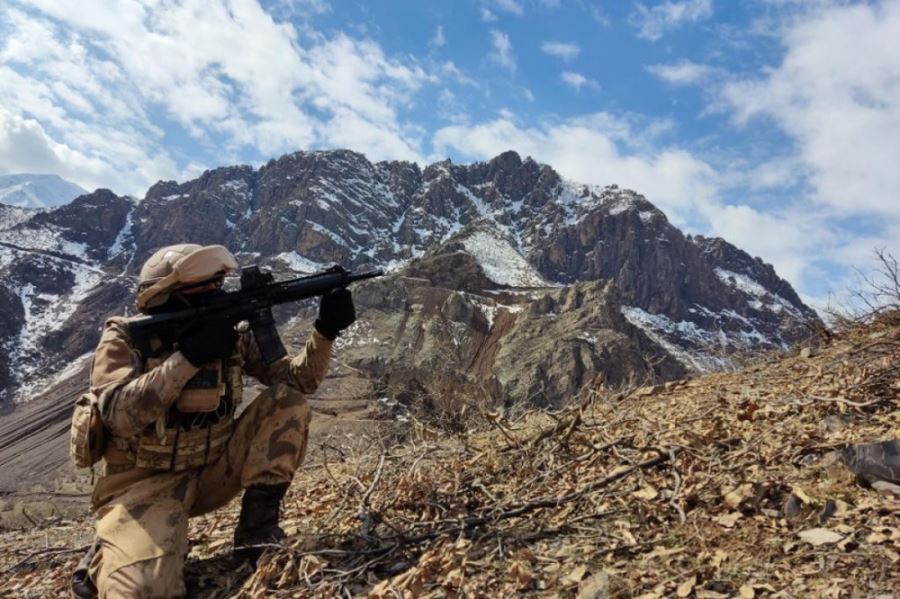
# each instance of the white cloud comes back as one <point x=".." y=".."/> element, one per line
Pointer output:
<point x="90" y="77"/>
<point x="653" y="22"/>
<point x="502" y="53"/>
<point x="510" y="6"/>
<point x="839" y="102"/>
<point x="599" y="15"/>
<point x="577" y="80"/>
<point x="26" y="147"/>
<point x="300" y="8"/>
<point x="566" y="51"/>
<point x="439" y="40"/>
<point x="486" y="15"/>
<point x="683" y="72"/>
<point x="449" y="69"/>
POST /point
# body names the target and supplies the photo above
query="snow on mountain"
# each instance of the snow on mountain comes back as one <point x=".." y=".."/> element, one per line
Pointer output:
<point x="37" y="191"/>
<point x="10" y="216"/>
<point x="501" y="263"/>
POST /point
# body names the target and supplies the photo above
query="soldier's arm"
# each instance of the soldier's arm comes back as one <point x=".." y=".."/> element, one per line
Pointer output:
<point x="129" y="399"/>
<point x="304" y="372"/>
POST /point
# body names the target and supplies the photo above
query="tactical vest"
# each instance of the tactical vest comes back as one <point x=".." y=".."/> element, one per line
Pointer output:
<point x="195" y="430"/>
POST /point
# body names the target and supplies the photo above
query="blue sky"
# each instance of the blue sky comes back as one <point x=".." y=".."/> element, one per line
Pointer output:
<point x="772" y="123"/>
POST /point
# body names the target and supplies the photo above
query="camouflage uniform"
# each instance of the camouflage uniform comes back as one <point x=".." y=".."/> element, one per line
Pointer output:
<point x="158" y="472"/>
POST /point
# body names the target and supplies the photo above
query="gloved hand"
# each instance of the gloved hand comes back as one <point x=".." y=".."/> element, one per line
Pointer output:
<point x="207" y="340"/>
<point x="336" y="313"/>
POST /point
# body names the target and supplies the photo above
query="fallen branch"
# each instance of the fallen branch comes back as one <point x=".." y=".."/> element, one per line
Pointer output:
<point x="34" y="554"/>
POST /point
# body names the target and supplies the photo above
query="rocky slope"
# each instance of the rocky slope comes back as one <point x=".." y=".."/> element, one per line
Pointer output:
<point x="520" y="224"/>
<point x="736" y="484"/>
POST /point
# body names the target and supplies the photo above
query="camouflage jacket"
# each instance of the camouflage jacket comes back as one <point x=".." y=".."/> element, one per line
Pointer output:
<point x="133" y="397"/>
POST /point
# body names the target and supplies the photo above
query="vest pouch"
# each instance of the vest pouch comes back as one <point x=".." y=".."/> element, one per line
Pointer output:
<point x="180" y="450"/>
<point x="87" y="435"/>
<point x="204" y="390"/>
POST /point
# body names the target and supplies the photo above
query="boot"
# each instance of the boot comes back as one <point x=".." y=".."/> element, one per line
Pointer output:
<point x="258" y="522"/>
<point x="82" y="586"/>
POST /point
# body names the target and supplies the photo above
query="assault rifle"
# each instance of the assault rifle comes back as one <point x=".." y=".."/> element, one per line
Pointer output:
<point x="153" y="333"/>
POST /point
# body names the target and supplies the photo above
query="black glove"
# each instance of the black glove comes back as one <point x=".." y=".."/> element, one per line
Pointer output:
<point x="207" y="340"/>
<point x="336" y="313"/>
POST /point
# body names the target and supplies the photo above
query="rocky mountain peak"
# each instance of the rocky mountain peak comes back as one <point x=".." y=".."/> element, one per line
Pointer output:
<point x="507" y="226"/>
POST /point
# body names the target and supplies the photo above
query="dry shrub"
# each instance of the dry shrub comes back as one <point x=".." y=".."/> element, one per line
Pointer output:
<point x="874" y="297"/>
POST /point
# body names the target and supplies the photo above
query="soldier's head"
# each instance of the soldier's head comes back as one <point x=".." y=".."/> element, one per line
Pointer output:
<point x="175" y="272"/>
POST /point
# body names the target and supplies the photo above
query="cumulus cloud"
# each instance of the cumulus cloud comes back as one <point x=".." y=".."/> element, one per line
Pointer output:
<point x="653" y="22"/>
<point x="683" y="72"/>
<point x="565" y="50"/>
<point x="91" y="78"/>
<point x="577" y="81"/>
<point x="502" y="53"/>
<point x="839" y="102"/>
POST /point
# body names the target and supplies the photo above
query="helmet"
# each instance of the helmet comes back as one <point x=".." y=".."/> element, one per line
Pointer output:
<point x="175" y="267"/>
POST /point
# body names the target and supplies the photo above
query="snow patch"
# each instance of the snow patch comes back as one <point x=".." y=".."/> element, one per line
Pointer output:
<point x="743" y="283"/>
<point x="660" y="328"/>
<point x="501" y="263"/>
<point x="298" y="263"/>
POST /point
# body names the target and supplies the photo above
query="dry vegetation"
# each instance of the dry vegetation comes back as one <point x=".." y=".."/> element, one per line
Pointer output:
<point x="721" y="486"/>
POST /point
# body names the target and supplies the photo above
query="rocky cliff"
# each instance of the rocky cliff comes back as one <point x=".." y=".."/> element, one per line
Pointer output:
<point x="506" y="252"/>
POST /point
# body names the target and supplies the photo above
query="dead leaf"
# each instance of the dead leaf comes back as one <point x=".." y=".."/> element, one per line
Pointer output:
<point x="746" y="592"/>
<point x="521" y="575"/>
<point x="820" y="536"/>
<point x="737" y="496"/>
<point x="801" y="495"/>
<point x="728" y="520"/>
<point x="685" y="588"/>
<point x="575" y="576"/>
<point x="647" y="492"/>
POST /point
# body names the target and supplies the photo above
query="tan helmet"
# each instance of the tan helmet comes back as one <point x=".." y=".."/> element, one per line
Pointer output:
<point x="177" y="266"/>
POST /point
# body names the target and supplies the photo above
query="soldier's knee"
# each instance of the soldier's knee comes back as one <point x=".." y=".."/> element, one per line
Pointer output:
<point x="157" y="577"/>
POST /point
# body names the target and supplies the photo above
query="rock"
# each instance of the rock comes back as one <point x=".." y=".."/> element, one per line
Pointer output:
<point x="828" y="510"/>
<point x="820" y="536"/>
<point x="594" y="587"/>
<point x="793" y="507"/>
<point x="886" y="487"/>
<point x="809" y="352"/>
<point x="873" y="462"/>
<point x="834" y="423"/>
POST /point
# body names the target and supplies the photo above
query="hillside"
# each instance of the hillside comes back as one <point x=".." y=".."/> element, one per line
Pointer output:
<point x="724" y="485"/>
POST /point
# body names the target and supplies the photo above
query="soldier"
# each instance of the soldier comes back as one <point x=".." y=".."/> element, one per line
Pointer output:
<point x="175" y="448"/>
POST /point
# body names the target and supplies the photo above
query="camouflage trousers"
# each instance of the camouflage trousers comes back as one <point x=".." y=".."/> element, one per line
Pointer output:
<point x="143" y="519"/>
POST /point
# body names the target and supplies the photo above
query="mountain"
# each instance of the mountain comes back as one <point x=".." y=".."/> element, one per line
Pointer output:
<point x="505" y="252"/>
<point x="37" y="191"/>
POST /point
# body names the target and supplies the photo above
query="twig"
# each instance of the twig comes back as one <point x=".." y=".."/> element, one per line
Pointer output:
<point x="855" y="404"/>
<point x="363" y="512"/>
<point x="34" y="554"/>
